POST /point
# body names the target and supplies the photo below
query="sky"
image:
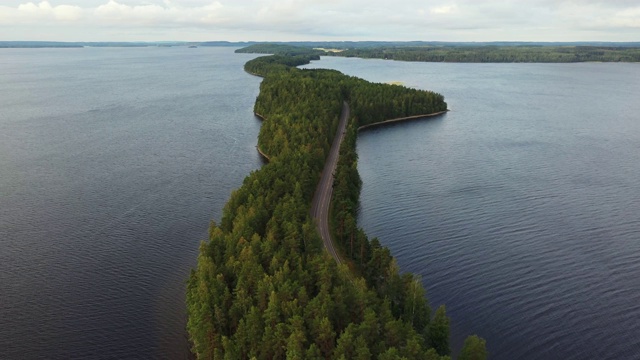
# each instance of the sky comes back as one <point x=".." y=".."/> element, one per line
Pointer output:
<point x="320" y="20"/>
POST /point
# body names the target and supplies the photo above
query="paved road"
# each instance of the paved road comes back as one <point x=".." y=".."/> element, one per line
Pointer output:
<point x="322" y="197"/>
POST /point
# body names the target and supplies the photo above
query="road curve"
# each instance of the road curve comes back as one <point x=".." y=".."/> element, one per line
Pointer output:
<point x="322" y="197"/>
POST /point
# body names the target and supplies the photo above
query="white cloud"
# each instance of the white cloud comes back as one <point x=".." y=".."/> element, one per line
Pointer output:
<point x="447" y="20"/>
<point x="445" y="9"/>
<point x="171" y="13"/>
<point x="628" y="18"/>
<point x="43" y="11"/>
<point x="114" y="11"/>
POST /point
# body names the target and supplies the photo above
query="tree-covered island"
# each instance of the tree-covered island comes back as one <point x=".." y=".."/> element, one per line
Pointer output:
<point x="264" y="287"/>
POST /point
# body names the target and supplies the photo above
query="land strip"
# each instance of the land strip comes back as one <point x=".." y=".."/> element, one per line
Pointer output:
<point x="407" y="118"/>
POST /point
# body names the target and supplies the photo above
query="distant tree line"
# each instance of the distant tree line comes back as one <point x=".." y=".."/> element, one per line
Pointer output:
<point x="279" y="49"/>
<point x="277" y="63"/>
<point x="264" y="288"/>
<point x="498" y="54"/>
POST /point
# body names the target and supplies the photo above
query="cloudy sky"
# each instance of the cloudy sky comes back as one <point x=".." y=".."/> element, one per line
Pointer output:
<point x="281" y="20"/>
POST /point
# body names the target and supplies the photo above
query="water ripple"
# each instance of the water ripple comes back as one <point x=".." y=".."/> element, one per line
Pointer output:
<point x="526" y="231"/>
<point x="114" y="167"/>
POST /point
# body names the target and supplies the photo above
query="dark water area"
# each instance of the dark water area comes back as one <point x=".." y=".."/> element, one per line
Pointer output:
<point x="112" y="163"/>
<point x="520" y="207"/>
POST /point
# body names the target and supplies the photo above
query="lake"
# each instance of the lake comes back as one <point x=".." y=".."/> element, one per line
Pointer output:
<point x="113" y="161"/>
<point x="519" y="208"/>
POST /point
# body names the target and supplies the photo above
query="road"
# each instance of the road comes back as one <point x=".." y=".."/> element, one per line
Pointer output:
<point x="322" y="197"/>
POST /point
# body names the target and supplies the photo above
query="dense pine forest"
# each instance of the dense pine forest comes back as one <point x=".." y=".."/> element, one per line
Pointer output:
<point x="264" y="288"/>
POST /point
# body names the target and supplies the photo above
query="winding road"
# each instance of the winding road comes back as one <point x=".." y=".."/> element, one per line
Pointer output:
<point x="322" y="197"/>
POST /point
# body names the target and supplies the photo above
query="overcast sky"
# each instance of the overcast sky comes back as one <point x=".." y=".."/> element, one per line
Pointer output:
<point x="282" y="20"/>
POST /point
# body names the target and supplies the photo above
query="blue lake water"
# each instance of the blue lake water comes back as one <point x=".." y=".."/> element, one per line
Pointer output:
<point x="520" y="208"/>
<point x="112" y="163"/>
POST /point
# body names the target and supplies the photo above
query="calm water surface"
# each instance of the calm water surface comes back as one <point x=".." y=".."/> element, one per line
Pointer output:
<point x="519" y="208"/>
<point x="112" y="163"/>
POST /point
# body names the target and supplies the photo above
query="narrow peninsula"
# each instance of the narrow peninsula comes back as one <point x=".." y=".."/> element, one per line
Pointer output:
<point x="265" y="287"/>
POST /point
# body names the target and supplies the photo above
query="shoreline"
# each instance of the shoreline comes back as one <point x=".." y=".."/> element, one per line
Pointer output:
<point x="263" y="154"/>
<point x="254" y="74"/>
<point x="257" y="146"/>
<point x="408" y="118"/>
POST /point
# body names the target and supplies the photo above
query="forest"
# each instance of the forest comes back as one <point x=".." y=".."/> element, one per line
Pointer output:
<point x="264" y="288"/>
<point x="279" y="49"/>
<point x="466" y="52"/>
<point x="498" y="54"/>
